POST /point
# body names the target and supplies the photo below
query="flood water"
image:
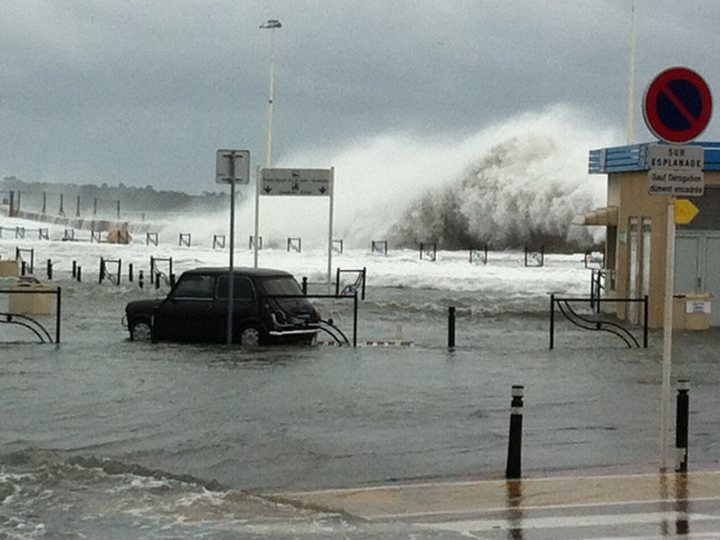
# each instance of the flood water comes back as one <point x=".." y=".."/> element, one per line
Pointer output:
<point x="106" y="438"/>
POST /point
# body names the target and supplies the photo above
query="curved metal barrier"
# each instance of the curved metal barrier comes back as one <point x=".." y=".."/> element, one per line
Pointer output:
<point x="34" y="326"/>
<point x="595" y="323"/>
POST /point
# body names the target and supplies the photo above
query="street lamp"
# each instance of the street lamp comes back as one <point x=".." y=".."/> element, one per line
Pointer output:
<point x="272" y="25"/>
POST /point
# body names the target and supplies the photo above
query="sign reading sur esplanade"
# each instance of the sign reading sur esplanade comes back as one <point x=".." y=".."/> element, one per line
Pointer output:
<point x="676" y="170"/>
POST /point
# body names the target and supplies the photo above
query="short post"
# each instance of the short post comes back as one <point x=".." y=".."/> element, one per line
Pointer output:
<point x="513" y="470"/>
<point x="552" y="321"/>
<point x="141" y="279"/>
<point x="79" y="273"/>
<point x="49" y="269"/>
<point x="682" y="422"/>
<point x="304" y="285"/>
<point x="157" y="280"/>
<point x="74" y="269"/>
<point x="130" y="272"/>
<point x="102" y="270"/>
<point x="23" y="268"/>
<point x="451" y="327"/>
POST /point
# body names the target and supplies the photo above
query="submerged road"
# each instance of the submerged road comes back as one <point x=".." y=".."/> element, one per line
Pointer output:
<point x="637" y="507"/>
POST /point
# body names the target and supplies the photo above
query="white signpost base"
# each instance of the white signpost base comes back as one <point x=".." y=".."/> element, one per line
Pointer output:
<point x="666" y="393"/>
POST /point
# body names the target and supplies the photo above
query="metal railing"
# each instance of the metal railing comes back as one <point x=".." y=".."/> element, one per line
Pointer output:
<point x="31" y="324"/>
<point x="328" y="326"/>
<point x="594" y="323"/>
<point x="601" y="280"/>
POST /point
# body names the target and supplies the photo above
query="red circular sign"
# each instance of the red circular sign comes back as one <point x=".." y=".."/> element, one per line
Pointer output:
<point x="677" y="105"/>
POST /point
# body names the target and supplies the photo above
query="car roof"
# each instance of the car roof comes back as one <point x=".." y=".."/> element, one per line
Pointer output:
<point x="247" y="271"/>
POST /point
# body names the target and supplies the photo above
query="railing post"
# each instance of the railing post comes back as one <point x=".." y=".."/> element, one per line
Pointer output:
<point x="552" y="320"/>
<point x="451" y="327"/>
<point x="355" y="318"/>
<point x="79" y="273"/>
<point x="102" y="270"/>
<point x="304" y="285"/>
<point x="141" y="279"/>
<point x="337" y="282"/>
<point x="130" y="272"/>
<point x="49" y="269"/>
<point x="682" y="421"/>
<point x="514" y="459"/>
<point x="74" y="269"/>
<point x="364" y="277"/>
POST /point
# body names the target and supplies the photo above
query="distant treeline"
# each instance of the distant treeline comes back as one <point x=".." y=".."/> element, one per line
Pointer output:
<point x="131" y="198"/>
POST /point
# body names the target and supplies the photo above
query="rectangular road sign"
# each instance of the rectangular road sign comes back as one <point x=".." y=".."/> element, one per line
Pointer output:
<point x="676" y="170"/>
<point x="233" y="166"/>
<point x="303" y="182"/>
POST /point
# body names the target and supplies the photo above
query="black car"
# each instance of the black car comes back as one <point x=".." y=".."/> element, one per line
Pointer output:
<point x="266" y="309"/>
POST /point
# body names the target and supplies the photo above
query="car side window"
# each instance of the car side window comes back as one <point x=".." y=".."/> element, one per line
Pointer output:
<point x="243" y="288"/>
<point x="195" y="286"/>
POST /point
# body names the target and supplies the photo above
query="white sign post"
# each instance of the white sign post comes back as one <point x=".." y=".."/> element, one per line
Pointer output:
<point x="674" y="170"/>
<point x="232" y="167"/>
<point x="296" y="182"/>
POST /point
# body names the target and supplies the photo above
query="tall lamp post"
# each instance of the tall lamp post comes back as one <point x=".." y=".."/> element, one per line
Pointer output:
<point x="271" y="25"/>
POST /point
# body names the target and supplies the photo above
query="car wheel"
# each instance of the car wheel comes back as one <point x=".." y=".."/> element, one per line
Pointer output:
<point x="141" y="330"/>
<point x="250" y="336"/>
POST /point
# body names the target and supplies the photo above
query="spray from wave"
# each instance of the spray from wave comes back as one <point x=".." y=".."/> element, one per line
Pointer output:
<point x="514" y="183"/>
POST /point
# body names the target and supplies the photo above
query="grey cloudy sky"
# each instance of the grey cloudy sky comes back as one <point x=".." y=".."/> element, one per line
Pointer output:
<point x="144" y="92"/>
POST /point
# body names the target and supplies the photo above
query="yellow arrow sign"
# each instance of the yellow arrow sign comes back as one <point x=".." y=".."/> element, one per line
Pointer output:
<point x="685" y="211"/>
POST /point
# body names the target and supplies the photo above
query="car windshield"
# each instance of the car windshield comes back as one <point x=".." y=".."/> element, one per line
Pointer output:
<point x="280" y="285"/>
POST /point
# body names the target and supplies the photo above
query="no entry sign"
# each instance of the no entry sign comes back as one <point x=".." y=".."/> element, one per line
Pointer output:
<point x="677" y="105"/>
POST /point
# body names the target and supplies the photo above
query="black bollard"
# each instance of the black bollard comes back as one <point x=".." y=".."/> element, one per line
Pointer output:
<point x="451" y="327"/>
<point x="102" y="270"/>
<point x="130" y="272"/>
<point x="49" y="269"/>
<point x="304" y="285"/>
<point x="682" y="423"/>
<point x="79" y="273"/>
<point x="141" y="279"/>
<point x="23" y="268"/>
<point x="157" y="280"/>
<point x="74" y="269"/>
<point x="514" y="467"/>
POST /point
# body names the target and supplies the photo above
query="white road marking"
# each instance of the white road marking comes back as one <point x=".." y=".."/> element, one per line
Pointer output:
<point x="486" y="525"/>
<point x="475" y="511"/>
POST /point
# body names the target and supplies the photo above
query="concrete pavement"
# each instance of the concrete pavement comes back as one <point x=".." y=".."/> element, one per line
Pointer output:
<point x="639" y="506"/>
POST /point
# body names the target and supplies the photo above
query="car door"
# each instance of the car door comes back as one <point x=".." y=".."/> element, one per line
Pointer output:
<point x="245" y="307"/>
<point x="186" y="314"/>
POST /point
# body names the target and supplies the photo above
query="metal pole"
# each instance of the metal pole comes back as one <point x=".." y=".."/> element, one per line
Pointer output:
<point x="682" y="420"/>
<point x="58" y="315"/>
<point x="271" y="97"/>
<point x="631" y="82"/>
<point x="355" y="318"/>
<point x="258" y="181"/>
<point x="514" y="459"/>
<point x="364" y="278"/>
<point x="232" y="249"/>
<point x="666" y="395"/>
<point x="330" y="229"/>
<point x="552" y="321"/>
<point x="451" y="327"/>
